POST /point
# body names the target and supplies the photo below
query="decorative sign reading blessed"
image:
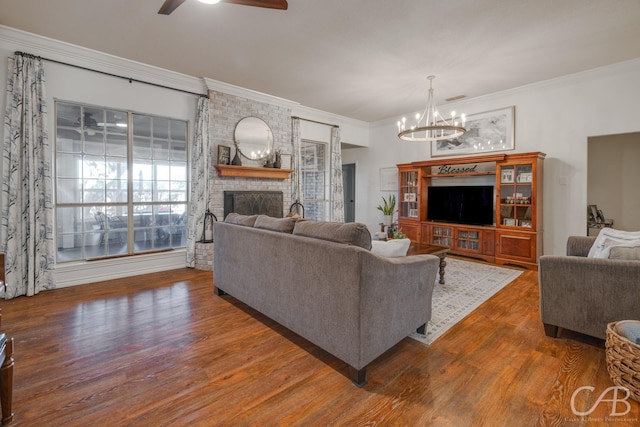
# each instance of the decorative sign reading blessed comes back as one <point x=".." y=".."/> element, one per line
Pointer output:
<point x="447" y="169"/>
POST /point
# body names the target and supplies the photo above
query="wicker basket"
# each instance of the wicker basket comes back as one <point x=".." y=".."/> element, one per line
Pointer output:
<point x="623" y="358"/>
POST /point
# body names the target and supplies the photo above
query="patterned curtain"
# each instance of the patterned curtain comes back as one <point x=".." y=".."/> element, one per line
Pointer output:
<point x="296" y="187"/>
<point x="26" y="231"/>
<point x="200" y="162"/>
<point x="335" y="180"/>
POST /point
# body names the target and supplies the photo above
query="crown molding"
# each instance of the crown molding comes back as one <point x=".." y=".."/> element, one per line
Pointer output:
<point x="76" y="55"/>
<point x="253" y="95"/>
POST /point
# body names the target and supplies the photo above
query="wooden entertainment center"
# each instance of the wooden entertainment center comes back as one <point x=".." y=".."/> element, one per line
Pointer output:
<point x="514" y="238"/>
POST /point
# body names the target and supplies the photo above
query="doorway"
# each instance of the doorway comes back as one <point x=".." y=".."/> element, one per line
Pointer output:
<point x="349" y="191"/>
<point x="612" y="179"/>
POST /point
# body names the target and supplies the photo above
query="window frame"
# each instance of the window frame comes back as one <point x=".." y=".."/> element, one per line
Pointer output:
<point x="311" y="167"/>
<point x="119" y="208"/>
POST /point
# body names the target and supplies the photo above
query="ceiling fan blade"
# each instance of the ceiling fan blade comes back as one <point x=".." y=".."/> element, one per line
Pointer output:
<point x="269" y="4"/>
<point x="169" y="6"/>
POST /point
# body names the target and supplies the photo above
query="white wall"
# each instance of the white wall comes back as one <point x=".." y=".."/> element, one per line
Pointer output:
<point x="555" y="117"/>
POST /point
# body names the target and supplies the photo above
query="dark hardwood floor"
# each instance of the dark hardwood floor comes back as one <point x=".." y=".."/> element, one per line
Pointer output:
<point x="163" y="350"/>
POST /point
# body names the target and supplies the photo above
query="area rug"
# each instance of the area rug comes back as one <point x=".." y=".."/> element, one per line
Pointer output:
<point x="468" y="284"/>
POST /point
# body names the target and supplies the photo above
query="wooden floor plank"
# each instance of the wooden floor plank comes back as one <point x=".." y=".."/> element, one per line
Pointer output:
<point x="161" y="349"/>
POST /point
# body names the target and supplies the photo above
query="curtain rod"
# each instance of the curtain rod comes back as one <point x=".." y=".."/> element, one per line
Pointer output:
<point x="315" y="121"/>
<point x="130" y="79"/>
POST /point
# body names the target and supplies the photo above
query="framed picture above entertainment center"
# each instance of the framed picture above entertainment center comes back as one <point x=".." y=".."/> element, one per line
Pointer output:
<point x="488" y="132"/>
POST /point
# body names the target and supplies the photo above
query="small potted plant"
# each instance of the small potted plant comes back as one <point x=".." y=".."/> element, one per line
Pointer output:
<point x="388" y="208"/>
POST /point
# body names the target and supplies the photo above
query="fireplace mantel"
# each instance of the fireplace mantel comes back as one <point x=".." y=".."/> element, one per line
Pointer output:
<point x="252" y="172"/>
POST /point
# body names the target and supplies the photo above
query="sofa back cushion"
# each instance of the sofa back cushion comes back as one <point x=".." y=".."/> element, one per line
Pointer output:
<point x="246" y="220"/>
<point x="283" y="225"/>
<point x="351" y="233"/>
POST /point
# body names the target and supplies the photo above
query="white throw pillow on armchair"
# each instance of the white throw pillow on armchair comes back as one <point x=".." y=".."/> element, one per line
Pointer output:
<point x="391" y="248"/>
<point x="609" y="237"/>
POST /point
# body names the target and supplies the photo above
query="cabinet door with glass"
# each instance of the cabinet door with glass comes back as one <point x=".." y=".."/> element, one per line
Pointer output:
<point x="409" y="197"/>
<point x="442" y="235"/>
<point x="515" y="206"/>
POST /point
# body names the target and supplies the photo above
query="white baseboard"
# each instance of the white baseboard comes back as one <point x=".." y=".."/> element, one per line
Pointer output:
<point x="72" y="274"/>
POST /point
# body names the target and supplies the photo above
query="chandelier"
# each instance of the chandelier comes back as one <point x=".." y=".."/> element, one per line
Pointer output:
<point x="435" y="127"/>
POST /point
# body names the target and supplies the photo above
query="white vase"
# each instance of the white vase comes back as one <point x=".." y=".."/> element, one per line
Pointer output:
<point x="388" y="219"/>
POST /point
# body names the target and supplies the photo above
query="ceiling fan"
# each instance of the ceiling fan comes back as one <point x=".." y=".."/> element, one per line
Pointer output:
<point x="170" y="5"/>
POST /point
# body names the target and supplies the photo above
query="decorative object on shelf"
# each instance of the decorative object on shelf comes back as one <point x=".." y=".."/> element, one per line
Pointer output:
<point x="207" y="227"/>
<point x="524" y="177"/>
<point x="506" y="176"/>
<point x="236" y="159"/>
<point x="410" y="197"/>
<point x="277" y="163"/>
<point x="388" y="179"/>
<point x="391" y="230"/>
<point x="268" y="163"/>
<point x="487" y="132"/>
<point x="413" y="213"/>
<point x="388" y="208"/>
<point x="435" y="126"/>
<point x="224" y="154"/>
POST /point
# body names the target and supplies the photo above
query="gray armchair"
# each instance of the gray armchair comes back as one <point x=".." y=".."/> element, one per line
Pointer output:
<point x="585" y="294"/>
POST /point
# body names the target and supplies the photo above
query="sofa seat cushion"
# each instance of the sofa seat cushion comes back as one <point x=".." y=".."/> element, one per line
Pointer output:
<point x="351" y="233"/>
<point x="610" y="237"/>
<point x="283" y="225"/>
<point x="246" y="220"/>
<point x="390" y="249"/>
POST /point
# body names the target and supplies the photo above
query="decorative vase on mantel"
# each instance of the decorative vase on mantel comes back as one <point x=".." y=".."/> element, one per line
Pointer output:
<point x="236" y="159"/>
<point x="278" y="162"/>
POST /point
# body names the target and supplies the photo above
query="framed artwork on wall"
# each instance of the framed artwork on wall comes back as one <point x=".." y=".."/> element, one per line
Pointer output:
<point x="388" y="179"/>
<point x="487" y="132"/>
<point x="285" y="161"/>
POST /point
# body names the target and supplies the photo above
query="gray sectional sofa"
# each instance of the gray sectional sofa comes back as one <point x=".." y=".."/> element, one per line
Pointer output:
<point x="321" y="281"/>
<point x="584" y="294"/>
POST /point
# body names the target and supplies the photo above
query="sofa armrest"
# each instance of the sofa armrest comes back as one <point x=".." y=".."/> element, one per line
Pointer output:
<point x="584" y="294"/>
<point x="579" y="245"/>
<point x="396" y="299"/>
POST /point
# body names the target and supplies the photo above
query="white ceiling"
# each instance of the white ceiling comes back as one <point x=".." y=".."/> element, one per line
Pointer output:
<point x="365" y="59"/>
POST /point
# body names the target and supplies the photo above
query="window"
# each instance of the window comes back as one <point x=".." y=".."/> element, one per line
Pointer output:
<point x="314" y="180"/>
<point x="121" y="182"/>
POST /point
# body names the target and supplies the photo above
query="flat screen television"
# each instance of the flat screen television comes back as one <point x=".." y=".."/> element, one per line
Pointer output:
<point x="471" y="205"/>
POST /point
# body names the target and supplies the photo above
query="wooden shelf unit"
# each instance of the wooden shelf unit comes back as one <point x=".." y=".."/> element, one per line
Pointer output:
<point x="515" y="237"/>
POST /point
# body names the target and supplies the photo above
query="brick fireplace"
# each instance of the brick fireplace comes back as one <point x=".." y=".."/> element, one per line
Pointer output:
<point x="226" y="111"/>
